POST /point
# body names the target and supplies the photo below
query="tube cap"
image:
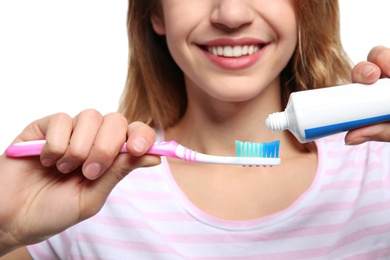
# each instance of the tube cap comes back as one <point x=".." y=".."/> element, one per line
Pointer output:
<point x="277" y="121"/>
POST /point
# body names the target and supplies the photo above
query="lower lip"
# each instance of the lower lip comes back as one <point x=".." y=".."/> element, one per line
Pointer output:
<point x="235" y="63"/>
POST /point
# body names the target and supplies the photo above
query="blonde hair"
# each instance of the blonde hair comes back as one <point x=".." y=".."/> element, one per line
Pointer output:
<point x="155" y="91"/>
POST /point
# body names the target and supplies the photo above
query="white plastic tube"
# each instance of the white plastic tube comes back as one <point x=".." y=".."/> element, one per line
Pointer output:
<point x="316" y="113"/>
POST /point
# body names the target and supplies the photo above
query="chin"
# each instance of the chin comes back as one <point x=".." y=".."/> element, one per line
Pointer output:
<point x="236" y="96"/>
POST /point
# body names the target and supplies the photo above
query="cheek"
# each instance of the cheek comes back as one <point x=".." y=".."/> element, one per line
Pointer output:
<point x="181" y="26"/>
<point x="287" y="30"/>
<point x="182" y="15"/>
<point x="282" y="16"/>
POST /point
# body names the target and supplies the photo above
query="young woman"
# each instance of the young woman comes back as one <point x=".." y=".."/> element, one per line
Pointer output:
<point x="205" y="73"/>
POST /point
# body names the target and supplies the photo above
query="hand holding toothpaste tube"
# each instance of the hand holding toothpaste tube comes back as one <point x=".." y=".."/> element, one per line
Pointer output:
<point x="377" y="66"/>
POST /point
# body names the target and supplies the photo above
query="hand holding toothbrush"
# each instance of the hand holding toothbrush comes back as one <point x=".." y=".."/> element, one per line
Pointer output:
<point x="78" y="176"/>
<point x="82" y="159"/>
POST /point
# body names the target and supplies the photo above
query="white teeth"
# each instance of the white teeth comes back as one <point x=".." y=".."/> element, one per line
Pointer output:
<point x="245" y="50"/>
<point x="220" y="50"/>
<point x="235" y="51"/>
<point x="228" y="51"/>
<point x="251" y="50"/>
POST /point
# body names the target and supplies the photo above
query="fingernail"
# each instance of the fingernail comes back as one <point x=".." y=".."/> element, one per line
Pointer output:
<point x="368" y="70"/>
<point x="139" y="144"/>
<point x="65" y="167"/>
<point x="92" y="171"/>
<point x="47" y="162"/>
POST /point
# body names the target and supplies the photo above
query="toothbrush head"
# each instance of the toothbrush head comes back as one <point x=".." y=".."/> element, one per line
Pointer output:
<point x="266" y="150"/>
<point x="248" y="149"/>
<point x="250" y="154"/>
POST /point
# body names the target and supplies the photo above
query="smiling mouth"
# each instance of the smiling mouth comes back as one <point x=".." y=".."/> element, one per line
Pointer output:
<point x="233" y="51"/>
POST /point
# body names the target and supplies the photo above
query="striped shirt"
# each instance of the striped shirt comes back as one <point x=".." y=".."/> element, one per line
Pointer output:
<point x="345" y="214"/>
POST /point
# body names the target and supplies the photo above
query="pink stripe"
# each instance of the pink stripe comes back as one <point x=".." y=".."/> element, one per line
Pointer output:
<point x="146" y="195"/>
<point x="342" y="185"/>
<point x="37" y="252"/>
<point x="125" y="245"/>
<point x="118" y="200"/>
<point x="156" y="216"/>
<point x="245" y="238"/>
<point x="375" y="254"/>
<point x="84" y="257"/>
<point x="372" y="208"/>
<point x="294" y="233"/>
<point x="307" y="253"/>
<point x="361" y="234"/>
<point x="345" y="150"/>
<point x="131" y="223"/>
<point x="120" y="222"/>
<point x="169" y="217"/>
<point x="354" y="165"/>
<point x="139" y="175"/>
<point x="327" y="207"/>
<point x="149" y="195"/>
<point x="317" y="252"/>
<point x="66" y="239"/>
<point x="344" y="206"/>
<point x="366" y="187"/>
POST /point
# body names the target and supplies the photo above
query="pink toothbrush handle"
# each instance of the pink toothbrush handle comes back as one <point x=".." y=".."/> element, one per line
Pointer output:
<point x="165" y="148"/>
<point x="34" y="148"/>
<point x="30" y="148"/>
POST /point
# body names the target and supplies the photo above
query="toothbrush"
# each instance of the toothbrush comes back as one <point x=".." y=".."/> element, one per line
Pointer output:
<point x="247" y="153"/>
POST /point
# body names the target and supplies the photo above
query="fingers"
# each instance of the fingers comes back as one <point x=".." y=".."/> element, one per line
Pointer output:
<point x="106" y="145"/>
<point x="85" y="128"/>
<point x="140" y="138"/>
<point x="376" y="66"/>
<point x="56" y="129"/>
<point x="377" y="132"/>
<point x="380" y="56"/>
<point x="365" y="72"/>
<point x="94" y="143"/>
<point x="89" y="141"/>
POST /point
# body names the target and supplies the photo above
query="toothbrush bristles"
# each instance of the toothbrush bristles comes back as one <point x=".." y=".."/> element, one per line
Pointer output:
<point x="264" y="150"/>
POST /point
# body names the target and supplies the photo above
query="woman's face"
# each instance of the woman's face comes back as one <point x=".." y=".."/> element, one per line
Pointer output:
<point x="229" y="49"/>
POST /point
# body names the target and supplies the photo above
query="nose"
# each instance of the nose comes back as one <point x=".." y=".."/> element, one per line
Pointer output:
<point x="232" y="14"/>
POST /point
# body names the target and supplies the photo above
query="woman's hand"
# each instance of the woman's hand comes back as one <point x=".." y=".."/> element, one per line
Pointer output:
<point x="79" y="166"/>
<point x="377" y="66"/>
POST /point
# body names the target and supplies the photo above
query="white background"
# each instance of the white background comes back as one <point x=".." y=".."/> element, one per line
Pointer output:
<point x="66" y="56"/>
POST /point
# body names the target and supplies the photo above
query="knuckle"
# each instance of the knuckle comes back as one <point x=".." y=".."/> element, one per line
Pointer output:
<point x="378" y="52"/>
<point x="104" y="151"/>
<point x="116" y="118"/>
<point x="91" y="114"/>
<point x="379" y="132"/>
<point x="77" y="153"/>
<point x="386" y="132"/>
<point x="60" y="118"/>
<point x="55" y="149"/>
<point x="138" y="126"/>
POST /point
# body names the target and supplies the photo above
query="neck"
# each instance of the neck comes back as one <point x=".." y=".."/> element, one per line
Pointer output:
<point x="211" y="126"/>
